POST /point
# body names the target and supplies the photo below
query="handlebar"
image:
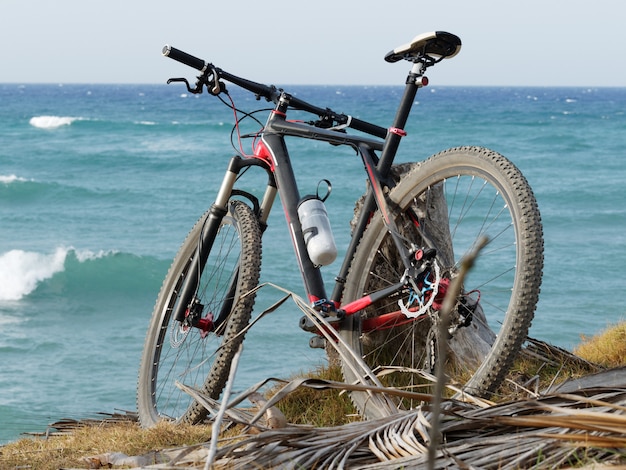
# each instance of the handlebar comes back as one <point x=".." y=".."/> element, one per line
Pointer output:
<point x="271" y="93"/>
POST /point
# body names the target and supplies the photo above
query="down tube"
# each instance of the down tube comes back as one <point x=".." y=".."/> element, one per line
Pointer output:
<point x="289" y="197"/>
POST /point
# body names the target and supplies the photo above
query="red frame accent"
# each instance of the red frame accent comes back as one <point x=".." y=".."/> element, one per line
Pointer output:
<point x="262" y="152"/>
<point x="386" y="321"/>
<point x="391" y="319"/>
<point x="397" y="131"/>
<point x="356" y="305"/>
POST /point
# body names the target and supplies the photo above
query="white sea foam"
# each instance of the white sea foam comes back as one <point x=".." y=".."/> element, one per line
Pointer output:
<point x="7" y="179"/>
<point x="51" y="122"/>
<point x="21" y="271"/>
<point x="88" y="255"/>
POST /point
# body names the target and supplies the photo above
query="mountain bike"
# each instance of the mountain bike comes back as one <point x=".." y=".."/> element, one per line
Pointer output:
<point x="412" y="228"/>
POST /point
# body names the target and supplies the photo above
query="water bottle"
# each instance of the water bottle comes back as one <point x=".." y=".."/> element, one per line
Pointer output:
<point x="316" y="231"/>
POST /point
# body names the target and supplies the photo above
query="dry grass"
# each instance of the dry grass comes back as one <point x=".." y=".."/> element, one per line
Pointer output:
<point x="319" y="408"/>
<point x="72" y="449"/>
<point x="607" y="348"/>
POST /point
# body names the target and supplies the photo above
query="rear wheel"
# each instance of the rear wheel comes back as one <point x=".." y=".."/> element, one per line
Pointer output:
<point x="448" y="202"/>
<point x="200" y="356"/>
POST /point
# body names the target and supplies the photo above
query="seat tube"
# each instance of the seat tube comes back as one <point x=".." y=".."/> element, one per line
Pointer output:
<point x="392" y="141"/>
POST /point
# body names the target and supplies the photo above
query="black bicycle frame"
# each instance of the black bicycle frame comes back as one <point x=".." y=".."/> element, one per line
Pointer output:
<point x="272" y="154"/>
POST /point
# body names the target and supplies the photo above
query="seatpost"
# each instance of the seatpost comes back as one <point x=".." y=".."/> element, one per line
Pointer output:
<point x="414" y="81"/>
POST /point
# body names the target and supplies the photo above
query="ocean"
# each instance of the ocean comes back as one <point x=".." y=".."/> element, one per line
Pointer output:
<point x="99" y="185"/>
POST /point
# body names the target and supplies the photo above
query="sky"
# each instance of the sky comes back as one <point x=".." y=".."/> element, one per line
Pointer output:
<point x="508" y="43"/>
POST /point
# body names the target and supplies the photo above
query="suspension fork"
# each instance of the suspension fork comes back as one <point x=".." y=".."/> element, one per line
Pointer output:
<point x="217" y="211"/>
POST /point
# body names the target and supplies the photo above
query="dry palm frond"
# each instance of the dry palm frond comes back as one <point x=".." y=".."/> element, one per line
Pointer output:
<point x="68" y="425"/>
<point x="544" y="433"/>
<point x="555" y="355"/>
<point x="246" y="417"/>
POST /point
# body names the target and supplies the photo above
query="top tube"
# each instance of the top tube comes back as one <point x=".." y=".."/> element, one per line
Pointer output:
<point x="297" y="129"/>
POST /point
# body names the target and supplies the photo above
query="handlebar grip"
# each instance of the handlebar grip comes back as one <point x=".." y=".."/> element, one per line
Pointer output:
<point x="183" y="57"/>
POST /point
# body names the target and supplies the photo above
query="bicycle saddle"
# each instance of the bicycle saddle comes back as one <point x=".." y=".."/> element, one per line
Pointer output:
<point x="439" y="43"/>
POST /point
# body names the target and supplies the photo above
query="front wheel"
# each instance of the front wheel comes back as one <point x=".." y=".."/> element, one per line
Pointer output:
<point x="448" y="203"/>
<point x="199" y="353"/>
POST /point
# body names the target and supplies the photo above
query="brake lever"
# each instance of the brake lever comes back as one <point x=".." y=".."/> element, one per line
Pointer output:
<point x="196" y="91"/>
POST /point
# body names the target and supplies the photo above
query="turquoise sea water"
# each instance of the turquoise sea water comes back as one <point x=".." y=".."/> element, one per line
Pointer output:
<point x="99" y="184"/>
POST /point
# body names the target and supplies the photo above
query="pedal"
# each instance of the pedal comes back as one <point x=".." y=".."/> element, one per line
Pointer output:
<point x="307" y="325"/>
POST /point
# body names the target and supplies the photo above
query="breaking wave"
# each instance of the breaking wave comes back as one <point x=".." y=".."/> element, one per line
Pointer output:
<point x="51" y="122"/>
<point x="72" y="272"/>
